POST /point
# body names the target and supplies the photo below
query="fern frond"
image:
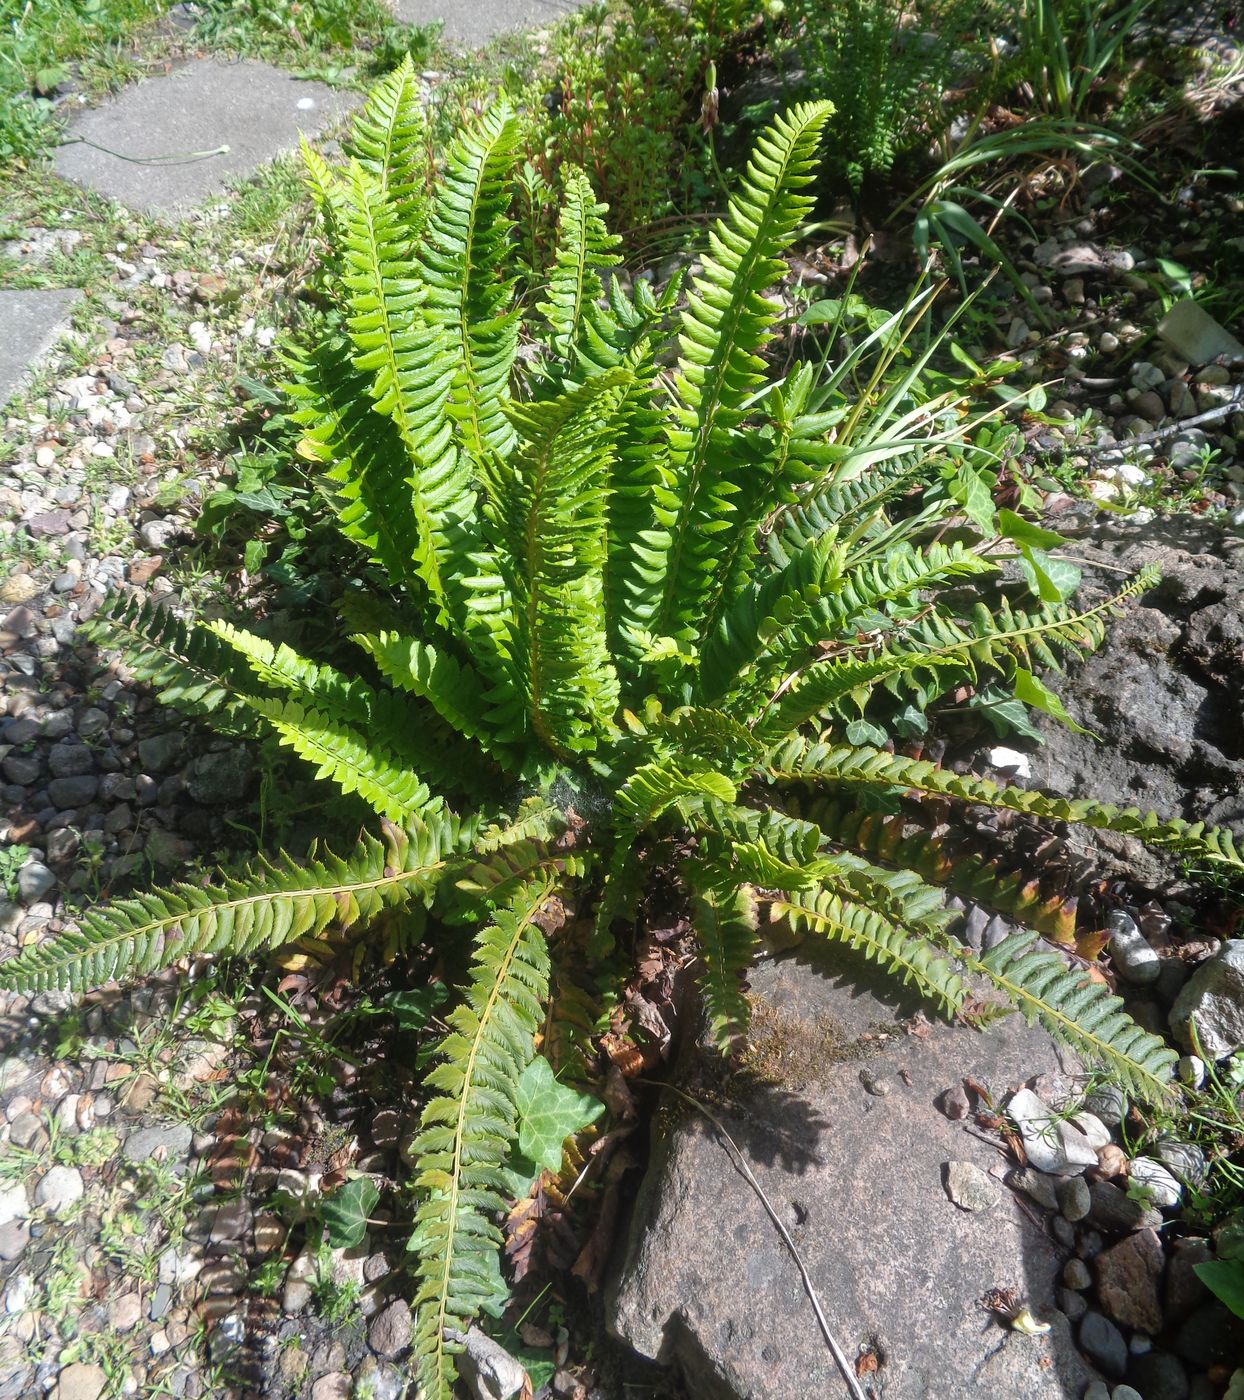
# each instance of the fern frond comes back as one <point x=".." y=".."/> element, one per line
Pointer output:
<point x="366" y="468"/>
<point x="727" y="322"/>
<point x="186" y="665"/>
<point x="269" y="904"/>
<point x="769" y="849"/>
<point x="880" y="939"/>
<point x="723" y="911"/>
<point x="355" y="761"/>
<point x="761" y="611"/>
<point x="453" y="688"/>
<point x="851" y="508"/>
<point x="799" y="760"/>
<point x="584" y="247"/>
<point x="1080" y="1012"/>
<point x="388" y="136"/>
<point x="462" y="257"/>
<point x="467" y="1129"/>
<point x="412" y="369"/>
<point x="546" y="504"/>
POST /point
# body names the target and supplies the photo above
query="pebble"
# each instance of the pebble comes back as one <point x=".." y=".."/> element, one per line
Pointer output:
<point x="391" y="1329"/>
<point x="1104" y="1344"/>
<point x="969" y="1187"/>
<point x="334" y="1386"/>
<point x="1073" y="1198"/>
<point x="1159" y="1376"/>
<point x="34" y="880"/>
<point x="1116" y="1213"/>
<point x="14" y="1202"/>
<point x="170" y="1141"/>
<point x="81" y="1381"/>
<point x="1076" y="1275"/>
<point x="1129" y="1278"/>
<point x="1052" y="1145"/>
<point x="59" y="1189"/>
<point x="1158" y="1183"/>
<point x="1134" y="959"/>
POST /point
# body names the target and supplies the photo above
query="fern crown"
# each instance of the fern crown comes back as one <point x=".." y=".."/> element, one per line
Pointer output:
<point x="620" y="568"/>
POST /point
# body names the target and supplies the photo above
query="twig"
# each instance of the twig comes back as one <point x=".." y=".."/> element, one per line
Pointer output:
<point x="844" y="1366"/>
<point x="1211" y="415"/>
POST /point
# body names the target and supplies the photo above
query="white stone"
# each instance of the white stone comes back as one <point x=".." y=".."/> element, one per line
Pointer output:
<point x="1134" y="959"/>
<point x="59" y="1189"/>
<point x="1161" y="1185"/>
<point x="1052" y="1144"/>
<point x="1002" y="757"/>
<point x="14" y="1203"/>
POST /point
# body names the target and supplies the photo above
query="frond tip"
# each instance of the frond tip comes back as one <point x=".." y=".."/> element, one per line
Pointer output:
<point x="269" y="904"/>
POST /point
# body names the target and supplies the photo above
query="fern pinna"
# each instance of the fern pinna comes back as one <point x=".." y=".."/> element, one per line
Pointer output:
<point x="633" y="577"/>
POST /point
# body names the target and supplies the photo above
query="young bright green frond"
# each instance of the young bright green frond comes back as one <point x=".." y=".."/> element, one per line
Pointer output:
<point x="799" y="760"/>
<point x="356" y="761"/>
<point x="187" y="666"/>
<point x="267" y="905"/>
<point x="724" y="913"/>
<point x="546" y="508"/>
<point x="454" y="689"/>
<point x="388" y="139"/>
<point x="584" y="247"/>
<point x="727" y="322"/>
<point x="769" y="848"/>
<point x="1080" y="1012"/>
<point x="411" y="362"/>
<point x="463" y="258"/>
<point x="364" y="458"/>
<point x="468" y="1126"/>
<point x="881" y="940"/>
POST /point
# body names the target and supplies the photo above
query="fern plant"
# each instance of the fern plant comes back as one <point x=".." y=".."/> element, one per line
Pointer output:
<point x="643" y="601"/>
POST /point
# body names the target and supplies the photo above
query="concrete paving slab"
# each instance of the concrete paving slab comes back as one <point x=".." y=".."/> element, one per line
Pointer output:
<point x="470" y="23"/>
<point x="161" y="130"/>
<point x="29" y="324"/>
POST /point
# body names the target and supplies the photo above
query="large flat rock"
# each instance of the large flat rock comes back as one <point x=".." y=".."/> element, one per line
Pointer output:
<point x="29" y="324"/>
<point x="161" y="139"/>
<point x="707" y="1284"/>
<point x="470" y="23"/>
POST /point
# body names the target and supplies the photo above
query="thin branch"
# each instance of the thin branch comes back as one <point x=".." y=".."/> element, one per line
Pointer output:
<point x="844" y="1366"/>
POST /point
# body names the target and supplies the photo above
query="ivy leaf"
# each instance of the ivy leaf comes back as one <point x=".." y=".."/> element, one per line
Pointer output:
<point x="1225" y="1280"/>
<point x="548" y="1112"/>
<point x="1015" y="527"/>
<point x="1052" y="580"/>
<point x="346" y="1210"/>
<point x="970" y="490"/>
<point x="1035" y="693"/>
<point x="862" y="731"/>
<point x="413" y="1009"/>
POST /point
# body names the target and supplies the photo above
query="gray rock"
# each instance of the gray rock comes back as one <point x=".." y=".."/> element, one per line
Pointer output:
<point x="160" y="752"/>
<point x="68" y="794"/>
<point x="1212" y="1335"/>
<point x="70" y="760"/>
<point x="1043" y="1189"/>
<point x="1073" y="1198"/>
<point x="1193" y="333"/>
<point x="970" y="1188"/>
<point x="1103" y="1343"/>
<point x="1108" y="1103"/>
<point x="1098" y="1390"/>
<point x="1134" y="959"/>
<point x="158" y="534"/>
<point x="1213" y="1001"/>
<point x="1184" y="1290"/>
<point x="856" y="1176"/>
<point x="1158" y="1183"/>
<point x="171" y="1141"/>
<point x="1115" y="1212"/>
<point x="80" y="1381"/>
<point x="58" y="1189"/>
<point x="238" y="114"/>
<point x="34" y="880"/>
<point x="373" y="1378"/>
<point x="1071" y="1304"/>
<point x="1052" y="1144"/>
<point x="1159" y="1376"/>
<point x="391" y="1329"/>
<point x="1076" y="1275"/>
<point x="31" y="322"/>
<point x="14" y="1237"/>
<point x="1161" y="692"/>
<point x="14" y="1202"/>
<point x="24" y="769"/>
<point x="1185" y="1159"/>
<point x="221" y="778"/>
